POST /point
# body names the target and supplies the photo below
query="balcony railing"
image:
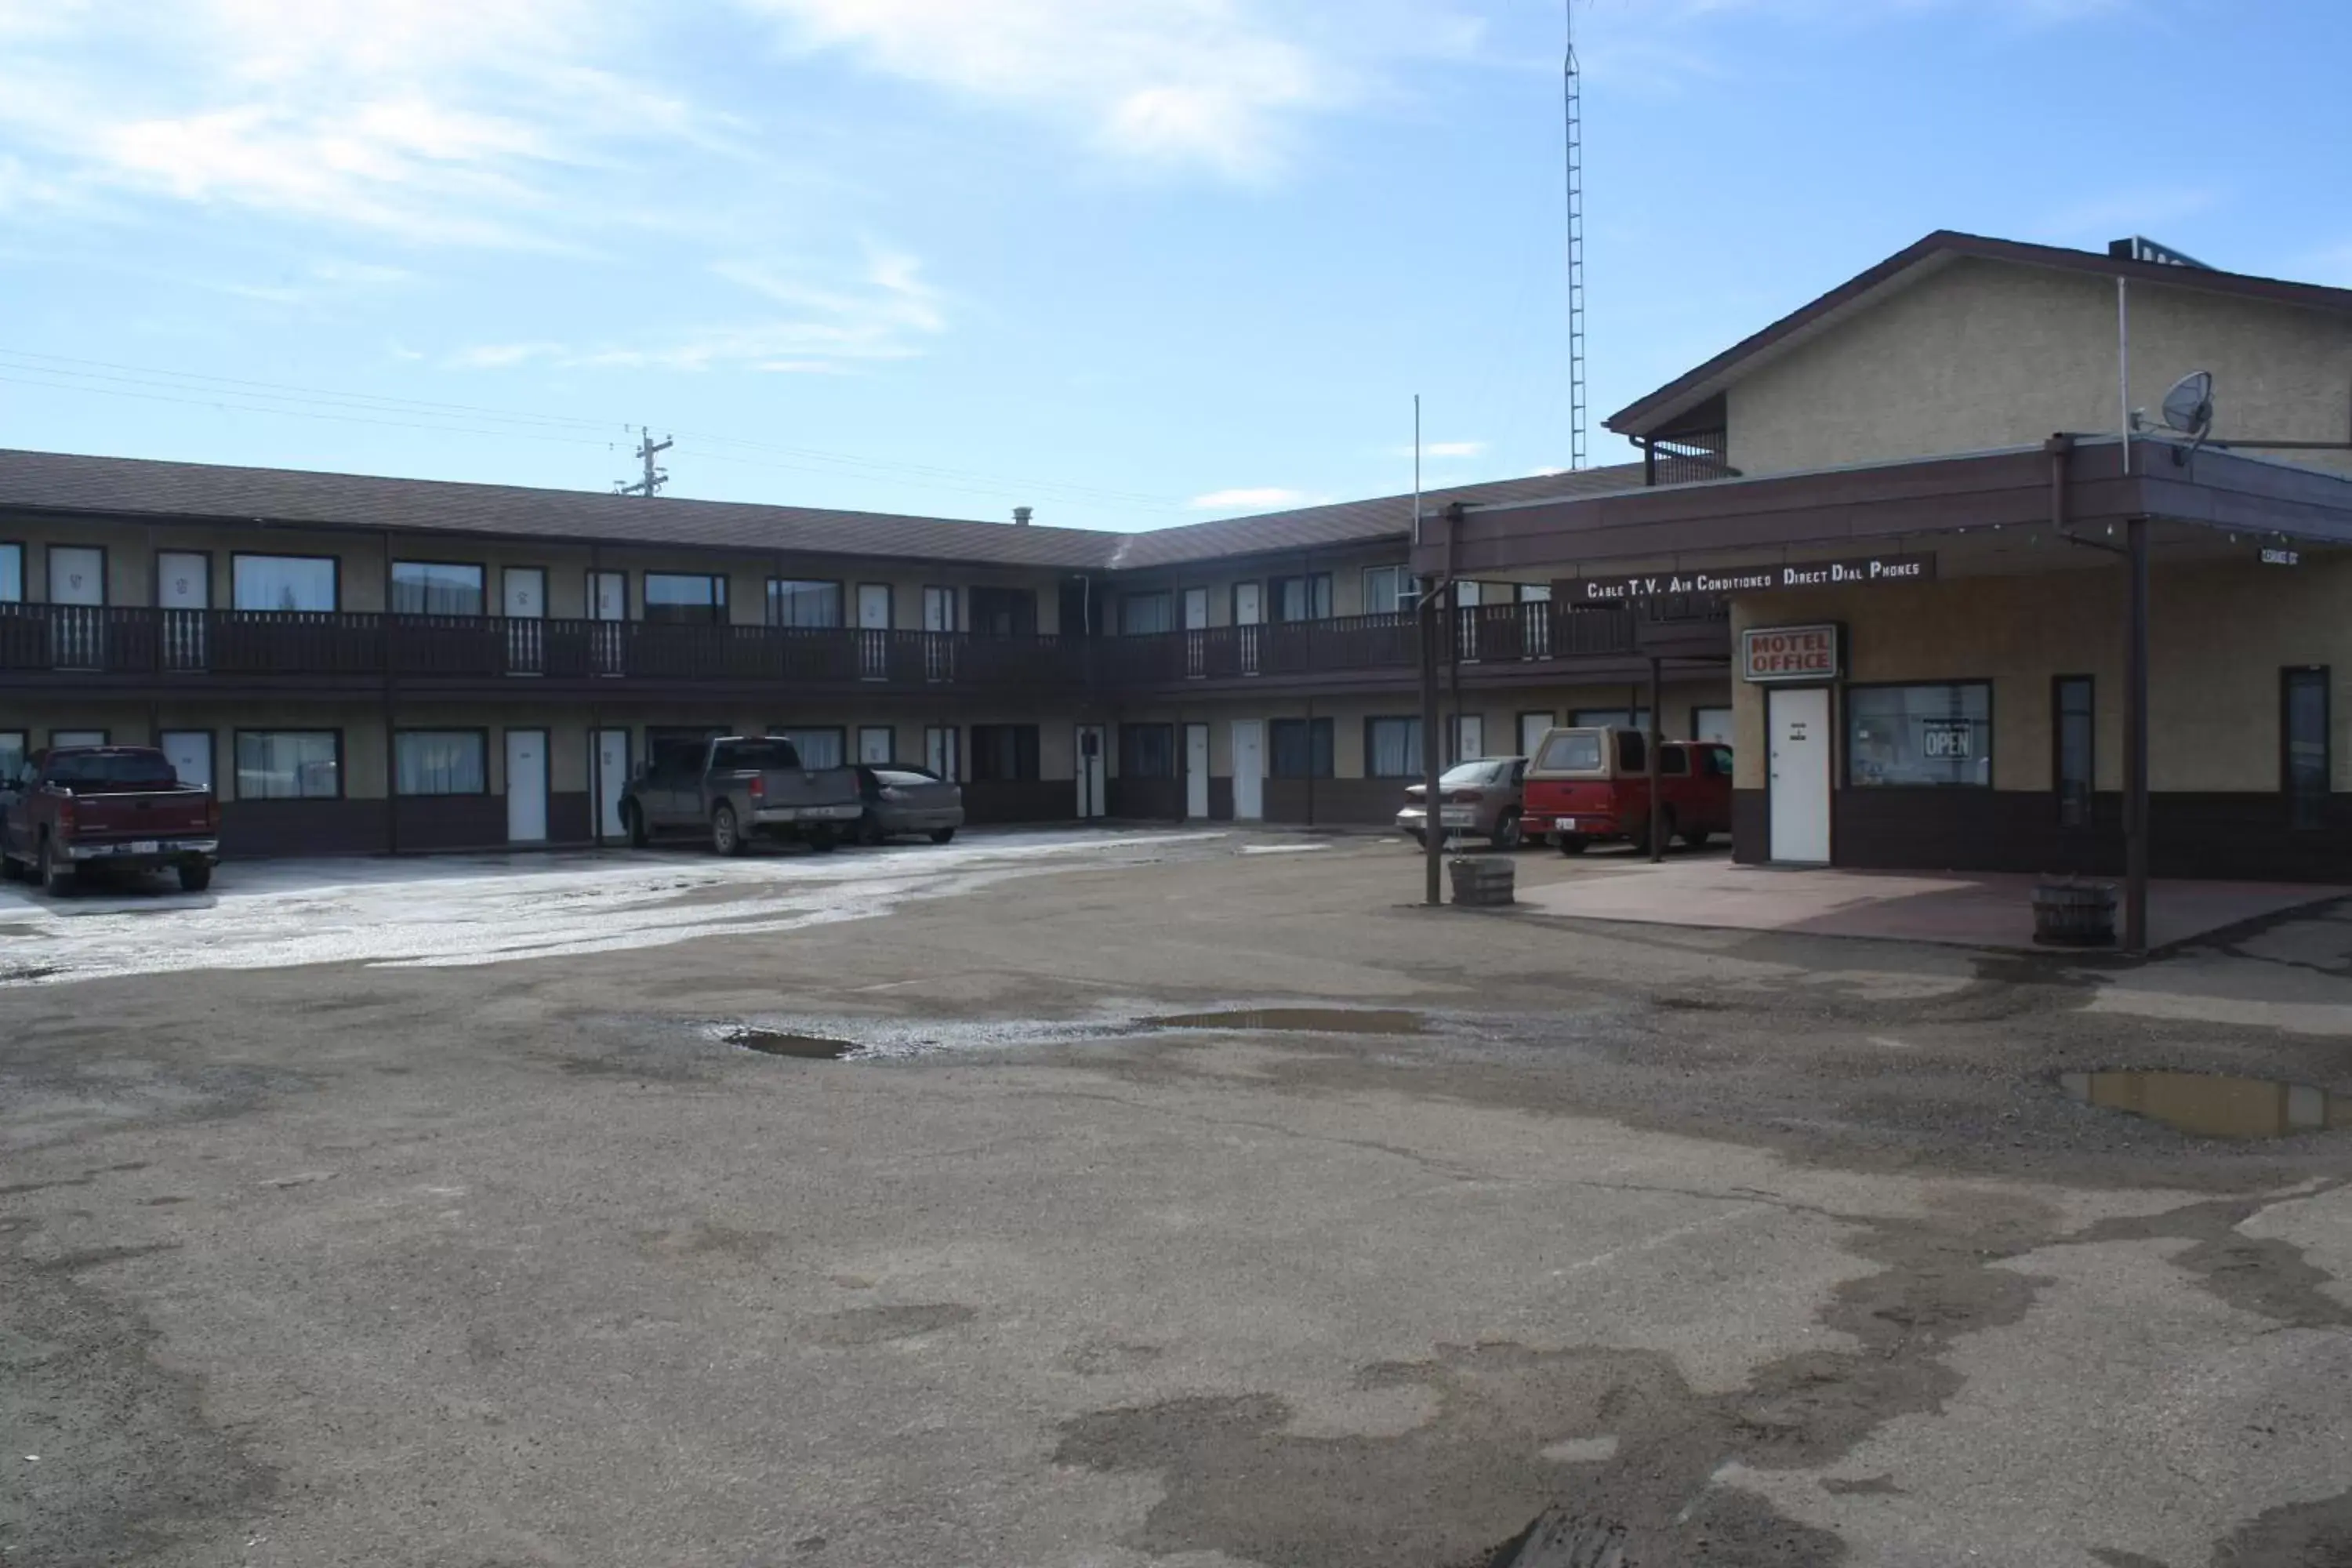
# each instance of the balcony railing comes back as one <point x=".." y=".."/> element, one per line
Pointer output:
<point x="1482" y="634"/>
<point x="54" y="640"/>
<point x="240" y="643"/>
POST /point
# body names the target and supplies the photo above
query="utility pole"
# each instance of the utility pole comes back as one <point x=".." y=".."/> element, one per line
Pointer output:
<point x="647" y="450"/>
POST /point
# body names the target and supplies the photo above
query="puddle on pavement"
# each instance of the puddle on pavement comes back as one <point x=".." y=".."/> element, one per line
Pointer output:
<point x="1300" y="1020"/>
<point x="2213" y="1105"/>
<point x="776" y="1043"/>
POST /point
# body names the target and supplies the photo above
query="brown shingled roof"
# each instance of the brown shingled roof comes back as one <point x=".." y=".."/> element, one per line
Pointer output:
<point x="141" y="487"/>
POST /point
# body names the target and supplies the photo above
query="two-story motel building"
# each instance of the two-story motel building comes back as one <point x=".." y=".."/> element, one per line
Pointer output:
<point x="366" y="665"/>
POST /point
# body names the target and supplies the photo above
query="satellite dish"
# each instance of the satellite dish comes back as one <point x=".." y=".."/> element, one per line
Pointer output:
<point x="2189" y="406"/>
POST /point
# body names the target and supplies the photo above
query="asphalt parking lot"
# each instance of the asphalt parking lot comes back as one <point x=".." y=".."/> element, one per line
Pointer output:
<point x="1022" y="1201"/>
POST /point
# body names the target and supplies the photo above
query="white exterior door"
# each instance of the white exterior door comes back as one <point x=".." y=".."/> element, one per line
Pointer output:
<point x="526" y="787"/>
<point x="1469" y="737"/>
<point x="184" y="586"/>
<point x="877" y="743"/>
<point x="1797" y="723"/>
<point x="942" y="754"/>
<point x="608" y="601"/>
<point x="1249" y="610"/>
<point x="523" y="599"/>
<point x="77" y="587"/>
<point x="1249" y="770"/>
<point x="1093" y="792"/>
<point x="1531" y="732"/>
<point x="938" y="609"/>
<point x="1196" y="633"/>
<point x="611" y="779"/>
<point x="1466" y="598"/>
<point x="874" y="631"/>
<point x="1196" y="772"/>
<point x="191" y="754"/>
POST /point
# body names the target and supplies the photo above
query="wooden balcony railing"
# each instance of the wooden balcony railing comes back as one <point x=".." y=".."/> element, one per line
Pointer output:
<point x="54" y="640"/>
<point x="236" y="644"/>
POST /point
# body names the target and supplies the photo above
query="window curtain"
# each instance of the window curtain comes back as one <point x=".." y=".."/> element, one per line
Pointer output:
<point x="1142" y="614"/>
<point x="419" y="588"/>
<point x="1395" y="748"/>
<point x="12" y="574"/>
<point x="803" y="604"/>
<point x="287" y="764"/>
<point x="440" y="763"/>
<point x="285" y="583"/>
<point x="818" y="748"/>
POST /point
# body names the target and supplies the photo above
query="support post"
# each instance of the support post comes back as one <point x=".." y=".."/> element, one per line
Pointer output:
<point x="2136" y="813"/>
<point x="1433" y="892"/>
<point x="1657" y="806"/>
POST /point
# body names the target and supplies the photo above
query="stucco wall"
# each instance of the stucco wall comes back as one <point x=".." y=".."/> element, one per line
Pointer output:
<point x="2219" y="635"/>
<point x="1988" y="354"/>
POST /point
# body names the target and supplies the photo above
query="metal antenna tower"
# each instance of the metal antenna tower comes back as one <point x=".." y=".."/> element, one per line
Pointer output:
<point x="1572" y="101"/>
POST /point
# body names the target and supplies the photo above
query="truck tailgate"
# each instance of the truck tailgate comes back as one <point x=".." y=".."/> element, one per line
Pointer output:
<point x="106" y="817"/>
<point x="790" y="788"/>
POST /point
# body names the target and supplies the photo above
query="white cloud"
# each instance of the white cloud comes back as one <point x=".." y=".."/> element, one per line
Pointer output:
<point x="1440" y="450"/>
<point x="882" y="311"/>
<point x="1261" y="498"/>
<point x="1216" y="84"/>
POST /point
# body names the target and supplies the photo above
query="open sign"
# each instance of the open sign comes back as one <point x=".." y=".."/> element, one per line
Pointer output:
<point x="1948" y="740"/>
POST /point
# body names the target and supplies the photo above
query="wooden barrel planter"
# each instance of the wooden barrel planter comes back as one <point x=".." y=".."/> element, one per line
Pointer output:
<point x="1482" y="880"/>
<point x="2075" y="915"/>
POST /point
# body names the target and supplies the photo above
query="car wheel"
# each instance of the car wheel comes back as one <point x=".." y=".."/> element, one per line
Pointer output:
<point x="633" y="823"/>
<point x="869" y="829"/>
<point x="1574" y="844"/>
<point x="823" y="840"/>
<point x="195" y="879"/>
<point x="942" y="835"/>
<point x="1506" y="832"/>
<point x="56" y="877"/>
<point x="726" y="837"/>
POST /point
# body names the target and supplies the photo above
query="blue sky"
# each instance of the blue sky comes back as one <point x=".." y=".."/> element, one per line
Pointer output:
<point x="1133" y="262"/>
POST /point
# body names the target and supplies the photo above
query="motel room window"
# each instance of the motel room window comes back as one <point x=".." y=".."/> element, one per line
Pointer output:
<point x="1143" y="615"/>
<point x="1305" y="598"/>
<point x="2304" y="762"/>
<point x="685" y="598"/>
<point x="1003" y="612"/>
<point x="1147" y="750"/>
<point x="2070" y="749"/>
<point x="12" y="574"/>
<point x="802" y="602"/>
<point x="440" y="761"/>
<point x="1389" y="590"/>
<point x="435" y="588"/>
<point x="1003" y="754"/>
<point x="1392" y="748"/>
<point x="1930" y="737"/>
<point x="824" y="746"/>
<point x="284" y="582"/>
<point x="15" y="745"/>
<point x="1302" y="748"/>
<point x="1711" y="724"/>
<point x="289" y="764"/>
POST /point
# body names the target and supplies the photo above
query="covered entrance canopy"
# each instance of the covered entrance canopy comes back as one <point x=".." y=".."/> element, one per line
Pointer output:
<point x="2000" y="577"/>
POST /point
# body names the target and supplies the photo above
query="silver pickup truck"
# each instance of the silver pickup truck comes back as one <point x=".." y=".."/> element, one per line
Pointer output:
<point x="738" y="788"/>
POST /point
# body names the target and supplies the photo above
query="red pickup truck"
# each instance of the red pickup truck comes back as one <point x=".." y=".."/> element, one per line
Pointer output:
<point x="1588" y="787"/>
<point x="72" y="808"/>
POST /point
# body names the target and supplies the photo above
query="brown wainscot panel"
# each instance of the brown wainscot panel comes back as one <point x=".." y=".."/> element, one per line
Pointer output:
<point x="1333" y="803"/>
<point x="428" y="822"/>
<point x="568" y="819"/>
<point x="1156" y="800"/>
<point x="269" y="829"/>
<point x="2205" y="835"/>
<point x="1022" y="800"/>
<point x="1751" y="826"/>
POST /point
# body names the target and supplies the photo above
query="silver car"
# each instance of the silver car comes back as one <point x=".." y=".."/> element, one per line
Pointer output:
<point x="902" y="800"/>
<point x="1478" y="799"/>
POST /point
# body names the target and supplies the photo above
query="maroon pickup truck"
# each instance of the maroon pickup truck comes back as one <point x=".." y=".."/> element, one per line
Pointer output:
<point x="122" y="807"/>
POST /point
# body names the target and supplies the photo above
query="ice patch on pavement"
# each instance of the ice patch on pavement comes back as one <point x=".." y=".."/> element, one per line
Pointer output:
<point x="1280" y="848"/>
<point x="480" y="911"/>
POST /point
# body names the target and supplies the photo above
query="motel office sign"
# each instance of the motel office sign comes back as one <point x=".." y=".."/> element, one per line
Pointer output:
<point x="1861" y="571"/>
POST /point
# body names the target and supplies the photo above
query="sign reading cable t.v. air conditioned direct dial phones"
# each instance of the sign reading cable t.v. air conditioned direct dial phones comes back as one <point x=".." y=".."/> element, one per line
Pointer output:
<point x="1768" y="654"/>
<point x="1860" y="571"/>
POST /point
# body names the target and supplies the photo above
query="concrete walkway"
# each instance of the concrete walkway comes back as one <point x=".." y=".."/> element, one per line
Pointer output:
<point x="1971" y="910"/>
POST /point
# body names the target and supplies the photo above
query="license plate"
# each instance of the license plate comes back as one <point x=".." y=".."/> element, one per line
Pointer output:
<point x="145" y="846"/>
<point x="1455" y="818"/>
<point x="1564" y="825"/>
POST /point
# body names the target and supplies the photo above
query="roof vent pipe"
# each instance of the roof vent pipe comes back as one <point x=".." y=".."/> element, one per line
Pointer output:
<point x="1021" y="515"/>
